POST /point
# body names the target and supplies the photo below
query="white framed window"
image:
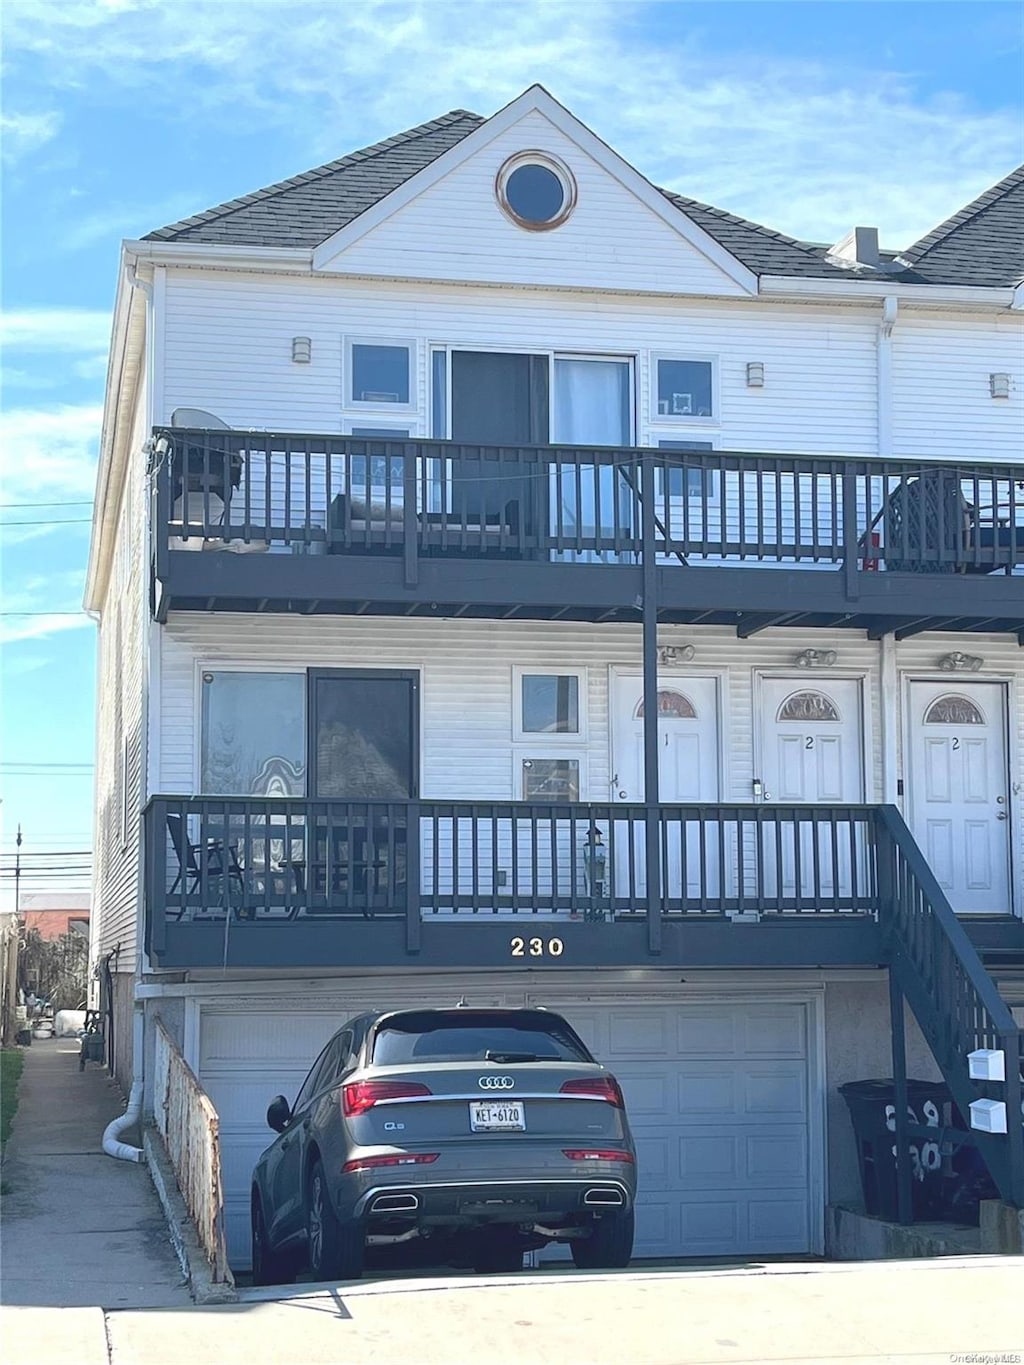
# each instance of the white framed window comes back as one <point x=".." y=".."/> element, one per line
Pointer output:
<point x="252" y="732"/>
<point x="549" y="704"/>
<point x="684" y="389"/>
<point x="548" y="777"/>
<point x="675" y="482"/>
<point x="384" y="468"/>
<point x="380" y="373"/>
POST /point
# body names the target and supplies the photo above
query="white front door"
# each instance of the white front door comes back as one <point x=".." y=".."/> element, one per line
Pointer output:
<point x="959" y="790"/>
<point x="688" y="770"/>
<point x="812" y="753"/>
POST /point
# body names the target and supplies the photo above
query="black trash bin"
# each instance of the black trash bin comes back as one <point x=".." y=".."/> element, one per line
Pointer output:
<point x="872" y="1106"/>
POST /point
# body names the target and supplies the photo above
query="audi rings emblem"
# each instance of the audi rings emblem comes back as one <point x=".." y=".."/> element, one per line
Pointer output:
<point x="496" y="1082"/>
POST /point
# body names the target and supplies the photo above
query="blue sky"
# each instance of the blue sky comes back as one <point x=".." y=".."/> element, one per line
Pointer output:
<point x="122" y="115"/>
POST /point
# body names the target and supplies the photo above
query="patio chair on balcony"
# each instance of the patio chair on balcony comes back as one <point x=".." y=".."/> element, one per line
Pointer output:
<point x="927" y="525"/>
<point x="212" y="861"/>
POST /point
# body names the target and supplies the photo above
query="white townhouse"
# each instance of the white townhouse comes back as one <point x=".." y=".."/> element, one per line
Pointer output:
<point x="520" y="583"/>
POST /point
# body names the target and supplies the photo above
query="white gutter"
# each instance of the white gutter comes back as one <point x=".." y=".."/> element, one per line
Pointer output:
<point x="860" y="290"/>
<point x="206" y="253"/>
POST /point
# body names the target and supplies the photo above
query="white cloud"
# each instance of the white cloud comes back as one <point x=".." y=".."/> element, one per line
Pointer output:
<point x="51" y="603"/>
<point x="51" y="452"/>
<point x="801" y="146"/>
<point x="55" y="329"/>
<point x="21" y="134"/>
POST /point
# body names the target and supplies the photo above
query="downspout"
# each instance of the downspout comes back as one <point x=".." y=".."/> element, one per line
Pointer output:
<point x="888" y="676"/>
<point x="112" y="1145"/>
<point x="890" y="308"/>
<point x="123" y="1150"/>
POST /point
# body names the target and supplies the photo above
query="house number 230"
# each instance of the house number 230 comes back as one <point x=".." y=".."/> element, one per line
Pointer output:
<point x="537" y="947"/>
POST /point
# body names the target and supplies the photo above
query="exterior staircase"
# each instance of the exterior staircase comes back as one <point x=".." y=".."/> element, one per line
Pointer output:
<point x="963" y="1000"/>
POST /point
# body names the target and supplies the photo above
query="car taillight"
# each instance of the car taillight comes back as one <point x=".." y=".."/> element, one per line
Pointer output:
<point x="368" y="1163"/>
<point x="358" y="1096"/>
<point x="596" y="1088"/>
<point x="597" y="1154"/>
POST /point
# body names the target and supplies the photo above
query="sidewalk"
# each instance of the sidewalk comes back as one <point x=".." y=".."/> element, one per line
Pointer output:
<point x="79" y="1228"/>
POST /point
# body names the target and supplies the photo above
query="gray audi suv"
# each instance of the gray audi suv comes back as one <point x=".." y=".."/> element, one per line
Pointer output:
<point x="477" y="1134"/>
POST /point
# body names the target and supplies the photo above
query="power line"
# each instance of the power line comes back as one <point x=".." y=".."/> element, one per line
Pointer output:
<point x="57" y="502"/>
<point x="80" y="611"/>
<point x="43" y="763"/>
<point x="66" y="521"/>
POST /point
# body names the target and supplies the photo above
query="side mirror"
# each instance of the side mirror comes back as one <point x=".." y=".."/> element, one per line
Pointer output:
<point x="278" y="1114"/>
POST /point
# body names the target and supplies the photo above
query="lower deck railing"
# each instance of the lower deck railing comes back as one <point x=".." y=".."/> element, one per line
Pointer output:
<point x="284" y="858"/>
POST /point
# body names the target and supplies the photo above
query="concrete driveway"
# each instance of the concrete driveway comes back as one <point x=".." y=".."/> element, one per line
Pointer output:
<point x="910" y="1312"/>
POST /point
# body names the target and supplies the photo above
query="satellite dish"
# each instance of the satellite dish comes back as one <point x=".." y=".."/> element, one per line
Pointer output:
<point x="196" y="417"/>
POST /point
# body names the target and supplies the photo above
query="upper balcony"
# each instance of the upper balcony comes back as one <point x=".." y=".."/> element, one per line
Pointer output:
<point x="353" y="525"/>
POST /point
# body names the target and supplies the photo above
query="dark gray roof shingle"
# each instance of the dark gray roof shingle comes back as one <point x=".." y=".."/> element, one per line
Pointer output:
<point x="307" y="209"/>
<point x="982" y="244"/>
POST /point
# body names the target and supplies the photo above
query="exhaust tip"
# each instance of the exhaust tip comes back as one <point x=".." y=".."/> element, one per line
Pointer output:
<point x="606" y="1197"/>
<point x="395" y="1203"/>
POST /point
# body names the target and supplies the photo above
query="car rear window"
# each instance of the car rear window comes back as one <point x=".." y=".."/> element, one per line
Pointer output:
<point x="468" y="1037"/>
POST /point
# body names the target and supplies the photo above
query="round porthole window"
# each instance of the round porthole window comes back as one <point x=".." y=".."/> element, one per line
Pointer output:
<point x="536" y="190"/>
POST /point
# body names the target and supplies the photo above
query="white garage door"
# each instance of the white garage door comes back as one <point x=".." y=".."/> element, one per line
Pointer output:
<point x="244" y="1061"/>
<point x="719" y="1102"/>
<point x="719" y="1098"/>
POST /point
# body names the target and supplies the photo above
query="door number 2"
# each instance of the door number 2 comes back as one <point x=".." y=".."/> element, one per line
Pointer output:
<point x="537" y="947"/>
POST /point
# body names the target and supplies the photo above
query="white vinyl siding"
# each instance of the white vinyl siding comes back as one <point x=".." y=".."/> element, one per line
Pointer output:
<point x="942" y="406"/>
<point x="228" y="348"/>
<point x="466" y="697"/>
<point x="456" y="230"/>
<point x="123" y="636"/>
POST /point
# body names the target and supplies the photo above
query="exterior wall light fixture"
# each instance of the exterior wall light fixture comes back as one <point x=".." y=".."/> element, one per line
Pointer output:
<point x="675" y="654"/>
<point x="815" y="658"/>
<point x="755" y="374"/>
<point x="302" y="350"/>
<point x="959" y="662"/>
<point x="999" y="385"/>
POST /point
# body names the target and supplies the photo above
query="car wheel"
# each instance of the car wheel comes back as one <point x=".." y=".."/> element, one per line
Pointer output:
<point x="609" y="1245"/>
<point x="336" y="1249"/>
<point x="497" y="1257"/>
<point x="268" y="1266"/>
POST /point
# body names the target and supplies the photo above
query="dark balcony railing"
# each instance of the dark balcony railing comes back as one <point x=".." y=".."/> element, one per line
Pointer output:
<point x="250" y="491"/>
<point x="283" y="859"/>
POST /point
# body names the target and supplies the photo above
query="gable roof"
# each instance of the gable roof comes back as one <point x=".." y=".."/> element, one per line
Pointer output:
<point x="983" y="244"/>
<point x="306" y="209"/>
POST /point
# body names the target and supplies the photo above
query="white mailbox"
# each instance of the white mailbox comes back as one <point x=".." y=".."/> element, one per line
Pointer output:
<point x="988" y="1116"/>
<point x="987" y="1064"/>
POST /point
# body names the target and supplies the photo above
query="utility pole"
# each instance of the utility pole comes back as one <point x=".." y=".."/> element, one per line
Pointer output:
<point x="13" y="943"/>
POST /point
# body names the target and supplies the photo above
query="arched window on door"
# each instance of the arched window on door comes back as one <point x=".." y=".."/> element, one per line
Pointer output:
<point x="808" y="706"/>
<point x="953" y="709"/>
<point x="672" y="705"/>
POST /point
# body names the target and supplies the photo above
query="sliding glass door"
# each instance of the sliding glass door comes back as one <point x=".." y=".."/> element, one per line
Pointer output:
<point x="592" y="406"/>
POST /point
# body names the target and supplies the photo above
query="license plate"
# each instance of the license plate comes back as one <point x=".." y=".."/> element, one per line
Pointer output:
<point x="497" y="1116"/>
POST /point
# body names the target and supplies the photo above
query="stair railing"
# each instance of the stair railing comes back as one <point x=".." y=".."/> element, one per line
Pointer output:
<point x="953" y="998"/>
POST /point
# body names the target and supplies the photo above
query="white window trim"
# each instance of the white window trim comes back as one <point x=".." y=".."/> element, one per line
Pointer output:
<point x="713" y="496"/>
<point x="219" y="666"/>
<point x="350" y="404"/>
<point x="558" y="739"/>
<point x="528" y="751"/>
<point x="673" y="421"/>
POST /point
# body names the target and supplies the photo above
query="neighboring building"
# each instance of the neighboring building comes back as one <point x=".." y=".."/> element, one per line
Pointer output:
<point x="491" y="586"/>
<point x="55" y="913"/>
